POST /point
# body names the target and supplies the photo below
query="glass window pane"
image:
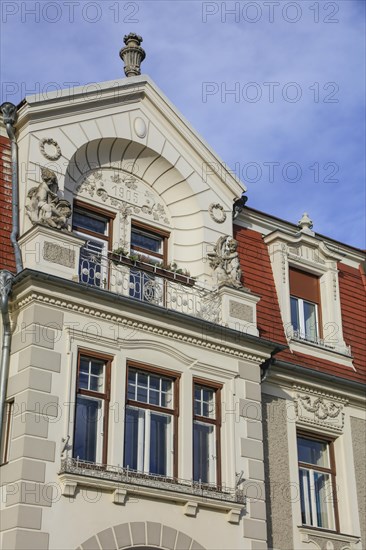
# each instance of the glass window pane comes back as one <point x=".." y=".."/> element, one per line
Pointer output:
<point x="87" y="221"/>
<point x="154" y="382"/>
<point x="305" y="496"/>
<point x="198" y="408"/>
<point x="166" y="385"/>
<point x="132" y="438"/>
<point x="142" y="379"/>
<point x="310" y="321"/>
<point x="154" y="397"/>
<point x="159" y="444"/>
<point x="167" y="400"/>
<point x="96" y="383"/>
<point x="131" y="394"/>
<point x="84" y="364"/>
<point x="146" y="240"/>
<point x="83" y="381"/>
<point x="313" y="452"/>
<point x="87" y="428"/>
<point x="202" y="433"/>
<point x="142" y="394"/>
<point x="295" y="313"/>
<point x="324" y="500"/>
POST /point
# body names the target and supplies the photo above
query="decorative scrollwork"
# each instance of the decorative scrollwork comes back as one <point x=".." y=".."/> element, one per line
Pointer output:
<point x="49" y="141"/>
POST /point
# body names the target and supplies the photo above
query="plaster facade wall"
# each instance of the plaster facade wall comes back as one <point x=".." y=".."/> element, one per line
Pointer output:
<point x="358" y="427"/>
<point x="51" y="328"/>
<point x="277" y="473"/>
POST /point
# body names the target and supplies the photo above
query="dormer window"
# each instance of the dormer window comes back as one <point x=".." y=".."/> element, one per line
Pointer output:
<point x="305" y="305"/>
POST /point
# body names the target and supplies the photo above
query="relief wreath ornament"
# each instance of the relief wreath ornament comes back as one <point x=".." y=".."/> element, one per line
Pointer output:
<point x="54" y="145"/>
<point x="321" y="409"/>
<point x="217" y="212"/>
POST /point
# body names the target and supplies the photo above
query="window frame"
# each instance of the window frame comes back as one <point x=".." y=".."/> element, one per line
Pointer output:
<point x="301" y="318"/>
<point x="154" y="231"/>
<point x="174" y="411"/>
<point x="303" y="296"/>
<point x="217" y="421"/>
<point x="105" y="396"/>
<point x="101" y="212"/>
<point x="331" y="471"/>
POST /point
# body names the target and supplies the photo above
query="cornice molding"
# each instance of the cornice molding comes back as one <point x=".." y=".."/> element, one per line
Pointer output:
<point x="29" y="296"/>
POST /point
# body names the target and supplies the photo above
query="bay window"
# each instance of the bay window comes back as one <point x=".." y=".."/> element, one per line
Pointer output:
<point x="206" y="432"/>
<point x="92" y="406"/>
<point x="151" y="421"/>
<point x="94" y="224"/>
<point x="317" y="482"/>
<point x="305" y="305"/>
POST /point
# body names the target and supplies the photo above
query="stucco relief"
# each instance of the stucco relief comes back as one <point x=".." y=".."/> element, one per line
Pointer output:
<point x="217" y="212"/>
<point x="317" y="408"/>
<point x="50" y="149"/>
<point x="241" y="311"/>
<point x="58" y="254"/>
<point x="328" y="542"/>
<point x="125" y="191"/>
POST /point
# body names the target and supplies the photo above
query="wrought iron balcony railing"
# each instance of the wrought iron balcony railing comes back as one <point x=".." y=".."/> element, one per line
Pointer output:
<point x="150" y="284"/>
<point x="132" y="477"/>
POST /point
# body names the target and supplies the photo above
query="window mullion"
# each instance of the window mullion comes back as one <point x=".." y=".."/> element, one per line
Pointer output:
<point x="147" y="441"/>
<point x="313" y="499"/>
<point x="141" y="440"/>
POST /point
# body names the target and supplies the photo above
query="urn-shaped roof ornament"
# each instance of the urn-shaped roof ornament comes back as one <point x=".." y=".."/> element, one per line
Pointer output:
<point x="306" y="224"/>
<point x="132" y="54"/>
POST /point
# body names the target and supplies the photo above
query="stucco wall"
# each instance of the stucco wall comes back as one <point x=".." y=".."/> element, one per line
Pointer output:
<point x="276" y="464"/>
<point x="358" y="427"/>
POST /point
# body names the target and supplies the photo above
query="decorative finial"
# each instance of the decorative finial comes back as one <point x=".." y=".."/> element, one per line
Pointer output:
<point x="306" y="224"/>
<point x="132" y="54"/>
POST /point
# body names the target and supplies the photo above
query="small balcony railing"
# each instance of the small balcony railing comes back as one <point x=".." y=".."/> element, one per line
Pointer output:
<point x="127" y="476"/>
<point x="150" y="284"/>
<point x="321" y="342"/>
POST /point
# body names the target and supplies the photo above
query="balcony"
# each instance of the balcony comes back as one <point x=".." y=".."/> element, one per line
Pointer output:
<point x="125" y="483"/>
<point x="149" y="283"/>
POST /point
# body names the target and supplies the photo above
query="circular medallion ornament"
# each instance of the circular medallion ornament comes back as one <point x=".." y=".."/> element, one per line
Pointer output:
<point x="217" y="212"/>
<point x="140" y="127"/>
<point x="50" y="149"/>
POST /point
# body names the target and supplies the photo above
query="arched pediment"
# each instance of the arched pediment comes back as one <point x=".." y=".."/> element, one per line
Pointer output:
<point x="141" y="535"/>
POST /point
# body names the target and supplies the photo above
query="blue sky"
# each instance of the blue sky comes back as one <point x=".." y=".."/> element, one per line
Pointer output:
<point x="293" y="127"/>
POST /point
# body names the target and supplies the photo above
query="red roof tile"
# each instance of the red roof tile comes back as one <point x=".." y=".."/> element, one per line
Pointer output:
<point x="258" y="278"/>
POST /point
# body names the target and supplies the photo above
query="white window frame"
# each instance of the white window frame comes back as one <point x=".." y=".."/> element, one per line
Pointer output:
<point x="308" y="486"/>
<point x="301" y="333"/>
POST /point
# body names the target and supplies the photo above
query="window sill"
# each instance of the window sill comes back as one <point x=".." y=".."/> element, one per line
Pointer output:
<point x="123" y="483"/>
<point x="341" y="355"/>
<point x="319" y="536"/>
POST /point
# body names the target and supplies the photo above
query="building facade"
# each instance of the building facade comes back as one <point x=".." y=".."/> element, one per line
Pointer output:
<point x="184" y="372"/>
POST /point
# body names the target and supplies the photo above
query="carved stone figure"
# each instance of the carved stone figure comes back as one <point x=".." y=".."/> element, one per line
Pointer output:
<point x="43" y="204"/>
<point x="224" y="260"/>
